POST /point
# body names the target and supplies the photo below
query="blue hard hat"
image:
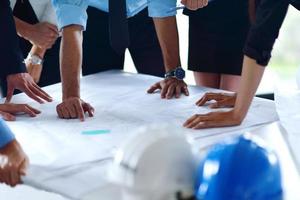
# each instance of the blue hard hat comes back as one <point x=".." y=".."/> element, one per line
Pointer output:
<point x="239" y="169"/>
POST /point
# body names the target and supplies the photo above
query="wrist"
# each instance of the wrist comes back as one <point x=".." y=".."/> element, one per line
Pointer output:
<point x="177" y="73"/>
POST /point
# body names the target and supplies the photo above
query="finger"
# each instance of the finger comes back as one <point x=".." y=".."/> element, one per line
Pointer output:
<point x="32" y="95"/>
<point x="44" y="95"/>
<point x="79" y="110"/>
<point x="205" y="2"/>
<point x="164" y="91"/>
<point x="7" y="116"/>
<point x="65" y="112"/>
<point x="171" y="91"/>
<point x="153" y="88"/>
<point x="36" y="111"/>
<point x="29" y="112"/>
<point x="206" y="124"/>
<point x="59" y="112"/>
<point x="88" y="108"/>
<point x="185" y="91"/>
<point x="53" y="28"/>
<point x="194" y="122"/>
<point x="72" y="111"/>
<point x="178" y="91"/>
<point x="24" y="166"/>
<point x="10" y="93"/>
<point x="14" y="178"/>
<point x="183" y="2"/>
<point x="190" y="120"/>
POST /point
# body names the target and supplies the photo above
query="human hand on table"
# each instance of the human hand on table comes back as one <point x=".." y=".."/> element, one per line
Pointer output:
<point x="13" y="163"/>
<point x="214" y="119"/>
<point x="194" y="4"/>
<point x="222" y="100"/>
<point x="25" y="83"/>
<point x="74" y="107"/>
<point x="9" y="110"/>
<point x="170" y="87"/>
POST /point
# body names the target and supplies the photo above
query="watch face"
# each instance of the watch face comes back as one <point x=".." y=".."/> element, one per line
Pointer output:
<point x="180" y="73"/>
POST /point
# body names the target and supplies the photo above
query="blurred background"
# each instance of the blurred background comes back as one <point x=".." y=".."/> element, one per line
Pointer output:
<point x="285" y="58"/>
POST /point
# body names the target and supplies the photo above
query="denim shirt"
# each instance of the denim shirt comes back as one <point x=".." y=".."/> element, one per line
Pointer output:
<point x="6" y="134"/>
<point x="74" y="11"/>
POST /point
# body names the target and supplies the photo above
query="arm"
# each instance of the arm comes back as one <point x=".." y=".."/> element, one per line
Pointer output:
<point x="13" y="161"/>
<point x="269" y="18"/>
<point x="71" y="60"/>
<point x="13" y="68"/>
<point x="167" y="33"/>
<point x="166" y="29"/>
<point x="70" y="66"/>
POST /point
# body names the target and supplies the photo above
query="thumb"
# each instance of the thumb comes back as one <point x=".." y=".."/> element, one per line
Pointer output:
<point x="10" y="93"/>
<point x="7" y="117"/>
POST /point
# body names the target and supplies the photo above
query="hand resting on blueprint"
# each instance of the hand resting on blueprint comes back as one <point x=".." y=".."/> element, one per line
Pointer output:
<point x="221" y="100"/>
<point x="215" y="119"/>
<point x="13" y="163"/>
<point x="25" y="83"/>
<point x="9" y="110"/>
<point x="74" y="107"/>
<point x="170" y="87"/>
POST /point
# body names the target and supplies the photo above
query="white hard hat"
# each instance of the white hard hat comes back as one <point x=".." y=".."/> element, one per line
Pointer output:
<point x="155" y="163"/>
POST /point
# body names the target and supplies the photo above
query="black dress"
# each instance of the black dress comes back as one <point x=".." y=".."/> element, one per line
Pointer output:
<point x="217" y="34"/>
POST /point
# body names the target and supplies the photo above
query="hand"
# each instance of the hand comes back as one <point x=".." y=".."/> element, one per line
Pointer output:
<point x="73" y="108"/>
<point x="13" y="164"/>
<point x="7" y="111"/>
<point x="25" y="83"/>
<point x="35" y="71"/>
<point x="214" y="119"/>
<point x="222" y="100"/>
<point x="170" y="87"/>
<point x="42" y="35"/>
<point x="194" y="4"/>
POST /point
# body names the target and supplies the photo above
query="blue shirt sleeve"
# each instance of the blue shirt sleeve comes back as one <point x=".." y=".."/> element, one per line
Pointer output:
<point x="6" y="134"/>
<point x="70" y="12"/>
<point x="161" y="8"/>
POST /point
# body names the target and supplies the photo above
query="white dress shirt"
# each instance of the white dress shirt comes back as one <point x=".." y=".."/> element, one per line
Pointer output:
<point x="43" y="10"/>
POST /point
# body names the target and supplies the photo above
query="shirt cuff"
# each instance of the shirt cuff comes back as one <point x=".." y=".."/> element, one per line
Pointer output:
<point x="161" y="9"/>
<point x="262" y="57"/>
<point x="71" y="14"/>
<point x="6" y="135"/>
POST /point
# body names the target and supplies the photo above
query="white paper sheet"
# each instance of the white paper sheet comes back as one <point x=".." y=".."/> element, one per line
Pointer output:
<point x="288" y="108"/>
<point x="122" y="106"/>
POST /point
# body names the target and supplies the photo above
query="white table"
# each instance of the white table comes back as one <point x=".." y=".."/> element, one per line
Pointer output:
<point x="114" y="86"/>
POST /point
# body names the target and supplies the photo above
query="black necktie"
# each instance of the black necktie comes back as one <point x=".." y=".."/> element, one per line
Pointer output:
<point x="24" y="11"/>
<point x="118" y="26"/>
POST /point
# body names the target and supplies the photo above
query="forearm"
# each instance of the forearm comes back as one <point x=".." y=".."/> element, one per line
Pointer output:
<point x="251" y="77"/>
<point x="40" y="52"/>
<point x="71" y="60"/>
<point x="166" y="29"/>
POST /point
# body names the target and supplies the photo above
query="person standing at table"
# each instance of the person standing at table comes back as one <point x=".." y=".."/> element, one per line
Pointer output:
<point x="136" y="33"/>
<point x="13" y="160"/>
<point x="217" y="35"/>
<point x="270" y="15"/>
<point x="12" y="67"/>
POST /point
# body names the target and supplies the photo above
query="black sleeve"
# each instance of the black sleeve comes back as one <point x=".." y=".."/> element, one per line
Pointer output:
<point x="270" y="15"/>
<point x="10" y="53"/>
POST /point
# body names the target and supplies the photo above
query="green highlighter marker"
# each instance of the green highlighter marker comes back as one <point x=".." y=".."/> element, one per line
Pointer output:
<point x="95" y="132"/>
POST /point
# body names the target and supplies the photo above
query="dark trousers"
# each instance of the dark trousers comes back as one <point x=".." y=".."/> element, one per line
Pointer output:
<point x="144" y="46"/>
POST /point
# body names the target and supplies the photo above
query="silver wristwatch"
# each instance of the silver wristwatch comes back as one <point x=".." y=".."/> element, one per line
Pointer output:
<point x="34" y="59"/>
